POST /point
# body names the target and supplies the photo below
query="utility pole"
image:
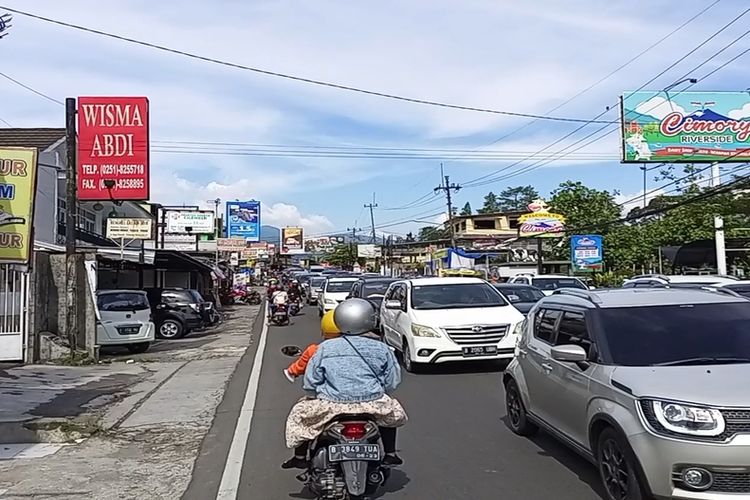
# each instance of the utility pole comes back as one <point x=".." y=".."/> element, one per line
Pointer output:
<point x="372" y="216"/>
<point x="71" y="209"/>
<point x="217" y="231"/>
<point x="721" y="251"/>
<point x="352" y="253"/>
<point x="446" y="187"/>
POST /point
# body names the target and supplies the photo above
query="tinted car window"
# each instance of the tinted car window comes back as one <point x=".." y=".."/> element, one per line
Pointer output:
<point x="555" y="283"/>
<point x="743" y="290"/>
<point x="545" y="325"/>
<point x="123" y="301"/>
<point x="645" y="336"/>
<point x="374" y="288"/>
<point x="177" y="296"/>
<point x="572" y="330"/>
<point x="317" y="282"/>
<point x="456" y="296"/>
<point x="521" y="294"/>
<point x="339" y="286"/>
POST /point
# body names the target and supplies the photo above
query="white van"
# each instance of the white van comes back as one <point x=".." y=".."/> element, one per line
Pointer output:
<point x="435" y="320"/>
<point x="124" y="320"/>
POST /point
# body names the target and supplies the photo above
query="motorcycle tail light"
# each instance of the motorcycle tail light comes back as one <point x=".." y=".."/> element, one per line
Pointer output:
<point x="354" y="430"/>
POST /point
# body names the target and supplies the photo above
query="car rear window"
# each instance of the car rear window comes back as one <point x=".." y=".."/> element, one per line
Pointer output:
<point x="375" y="288"/>
<point x="645" y="336"/>
<point x="456" y="296"/>
<point x="555" y="283"/>
<point x="339" y="286"/>
<point x="122" y="301"/>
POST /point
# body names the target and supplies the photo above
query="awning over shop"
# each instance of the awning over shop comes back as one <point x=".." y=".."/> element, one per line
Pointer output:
<point x="174" y="260"/>
<point x="130" y="255"/>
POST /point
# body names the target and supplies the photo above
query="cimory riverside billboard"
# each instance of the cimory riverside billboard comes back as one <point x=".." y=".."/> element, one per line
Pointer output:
<point x="243" y="220"/>
<point x="685" y="127"/>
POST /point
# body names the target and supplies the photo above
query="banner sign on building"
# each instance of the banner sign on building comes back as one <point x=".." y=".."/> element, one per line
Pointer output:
<point x="586" y="252"/>
<point x="189" y="221"/>
<point x="17" y="191"/>
<point x="243" y="220"/>
<point x="129" y="228"/>
<point x="231" y="244"/>
<point x="368" y="251"/>
<point x="113" y="148"/>
<point x="292" y="241"/>
<point x="541" y="223"/>
<point x="685" y="127"/>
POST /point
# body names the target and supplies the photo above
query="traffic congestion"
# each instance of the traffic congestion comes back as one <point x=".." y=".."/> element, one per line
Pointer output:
<point x="635" y="380"/>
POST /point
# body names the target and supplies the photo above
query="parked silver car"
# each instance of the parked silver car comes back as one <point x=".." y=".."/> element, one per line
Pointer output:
<point x="124" y="320"/>
<point x="651" y="385"/>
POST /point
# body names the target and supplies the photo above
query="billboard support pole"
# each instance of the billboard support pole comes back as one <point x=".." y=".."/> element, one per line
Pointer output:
<point x="539" y="262"/>
<point x="721" y="251"/>
<point x="71" y="208"/>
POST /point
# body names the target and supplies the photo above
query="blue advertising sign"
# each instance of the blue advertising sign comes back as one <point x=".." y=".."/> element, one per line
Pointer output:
<point x="243" y="220"/>
<point x="586" y="252"/>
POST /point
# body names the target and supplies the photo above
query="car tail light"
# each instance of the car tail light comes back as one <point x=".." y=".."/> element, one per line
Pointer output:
<point x="354" y="430"/>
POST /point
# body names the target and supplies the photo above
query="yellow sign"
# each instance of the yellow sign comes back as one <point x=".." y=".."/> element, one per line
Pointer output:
<point x="17" y="191"/>
<point x="128" y="228"/>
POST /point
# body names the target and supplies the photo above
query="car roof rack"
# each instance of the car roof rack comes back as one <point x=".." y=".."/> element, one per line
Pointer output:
<point x="655" y="275"/>
<point x="581" y="294"/>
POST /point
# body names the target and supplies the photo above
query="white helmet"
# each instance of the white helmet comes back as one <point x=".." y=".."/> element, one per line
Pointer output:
<point x="355" y="317"/>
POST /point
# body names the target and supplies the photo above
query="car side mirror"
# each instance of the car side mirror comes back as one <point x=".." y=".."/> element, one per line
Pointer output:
<point x="291" y="350"/>
<point x="569" y="353"/>
<point x="592" y="288"/>
<point x="393" y="304"/>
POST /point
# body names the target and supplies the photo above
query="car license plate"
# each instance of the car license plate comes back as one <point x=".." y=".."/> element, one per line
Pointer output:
<point x="129" y="330"/>
<point x="349" y="452"/>
<point x="489" y="350"/>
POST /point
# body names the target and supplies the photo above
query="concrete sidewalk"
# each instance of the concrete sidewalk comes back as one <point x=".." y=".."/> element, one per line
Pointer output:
<point x="131" y="428"/>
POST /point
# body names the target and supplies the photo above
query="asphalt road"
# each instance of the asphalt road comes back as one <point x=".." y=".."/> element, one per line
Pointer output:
<point x="456" y="445"/>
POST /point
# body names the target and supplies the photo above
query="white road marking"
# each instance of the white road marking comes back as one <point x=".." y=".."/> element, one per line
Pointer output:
<point x="230" y="479"/>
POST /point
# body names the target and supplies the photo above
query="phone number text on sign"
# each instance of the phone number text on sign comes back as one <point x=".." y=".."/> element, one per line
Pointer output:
<point x="113" y="148"/>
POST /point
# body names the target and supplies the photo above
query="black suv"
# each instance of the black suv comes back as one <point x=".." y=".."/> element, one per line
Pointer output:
<point x="176" y="311"/>
<point x="372" y="289"/>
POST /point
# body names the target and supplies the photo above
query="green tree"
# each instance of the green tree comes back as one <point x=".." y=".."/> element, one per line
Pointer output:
<point x="343" y="256"/>
<point x="490" y="204"/>
<point x="516" y="198"/>
<point x="432" y="233"/>
<point x="466" y="210"/>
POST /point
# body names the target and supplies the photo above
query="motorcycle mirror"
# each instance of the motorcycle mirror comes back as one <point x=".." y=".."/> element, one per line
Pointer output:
<point x="291" y="350"/>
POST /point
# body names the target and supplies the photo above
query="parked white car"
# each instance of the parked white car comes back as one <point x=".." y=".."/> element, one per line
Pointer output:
<point x="548" y="283"/>
<point x="334" y="292"/>
<point x="435" y="320"/>
<point x="124" y="320"/>
<point x="678" y="281"/>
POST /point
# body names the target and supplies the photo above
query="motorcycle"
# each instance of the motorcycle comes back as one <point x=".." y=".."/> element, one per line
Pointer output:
<point x="346" y="459"/>
<point x="253" y="298"/>
<point x="294" y="308"/>
<point x="280" y="316"/>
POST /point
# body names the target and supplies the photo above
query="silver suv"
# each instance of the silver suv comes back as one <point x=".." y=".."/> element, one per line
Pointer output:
<point x="649" y="384"/>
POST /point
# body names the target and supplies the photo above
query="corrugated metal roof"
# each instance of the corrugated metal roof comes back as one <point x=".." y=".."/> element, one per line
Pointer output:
<point x="41" y="138"/>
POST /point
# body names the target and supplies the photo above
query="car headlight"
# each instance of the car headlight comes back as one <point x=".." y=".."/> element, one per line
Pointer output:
<point x="518" y="330"/>
<point x="195" y="307"/>
<point x="686" y="419"/>
<point x="424" y="331"/>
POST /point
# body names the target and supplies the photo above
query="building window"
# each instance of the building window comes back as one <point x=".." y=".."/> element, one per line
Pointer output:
<point x="463" y="226"/>
<point x="513" y="223"/>
<point x="86" y="219"/>
<point x="485" y="224"/>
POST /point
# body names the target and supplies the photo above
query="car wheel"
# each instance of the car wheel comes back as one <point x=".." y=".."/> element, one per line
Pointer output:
<point x="518" y="419"/>
<point x="409" y="365"/>
<point x="138" y="348"/>
<point x="617" y="467"/>
<point x="171" y="329"/>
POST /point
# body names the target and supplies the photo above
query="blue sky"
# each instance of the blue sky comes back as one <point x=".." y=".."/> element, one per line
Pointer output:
<point x="500" y="54"/>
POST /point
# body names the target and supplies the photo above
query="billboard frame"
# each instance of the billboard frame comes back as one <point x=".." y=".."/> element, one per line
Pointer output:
<point x="240" y="205"/>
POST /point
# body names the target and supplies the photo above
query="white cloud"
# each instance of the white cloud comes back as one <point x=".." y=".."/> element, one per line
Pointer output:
<point x="738" y="114"/>
<point x="659" y="107"/>
<point x="282" y="214"/>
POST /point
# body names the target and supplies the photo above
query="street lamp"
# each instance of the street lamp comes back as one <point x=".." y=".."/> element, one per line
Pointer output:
<point x="216" y="203"/>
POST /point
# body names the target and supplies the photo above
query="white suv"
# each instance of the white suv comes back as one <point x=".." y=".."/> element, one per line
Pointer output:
<point x="334" y="292"/>
<point x="434" y="320"/>
<point x="548" y="283"/>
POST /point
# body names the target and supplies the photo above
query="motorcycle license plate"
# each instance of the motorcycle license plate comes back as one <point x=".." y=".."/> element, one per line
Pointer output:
<point x="349" y="452"/>
<point x="490" y="350"/>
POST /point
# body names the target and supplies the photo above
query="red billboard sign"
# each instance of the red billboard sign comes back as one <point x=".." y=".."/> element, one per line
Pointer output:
<point x="113" y="148"/>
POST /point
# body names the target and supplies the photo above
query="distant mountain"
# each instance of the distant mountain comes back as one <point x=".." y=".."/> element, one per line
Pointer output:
<point x="708" y="115"/>
<point x="635" y="116"/>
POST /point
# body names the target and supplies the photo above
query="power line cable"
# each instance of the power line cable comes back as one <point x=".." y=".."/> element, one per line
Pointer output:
<point x="40" y="94"/>
<point x="288" y="76"/>
<point x="614" y="106"/>
<point x="611" y="73"/>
